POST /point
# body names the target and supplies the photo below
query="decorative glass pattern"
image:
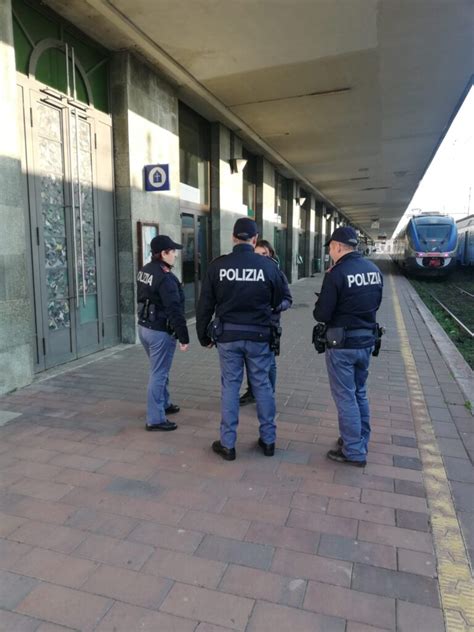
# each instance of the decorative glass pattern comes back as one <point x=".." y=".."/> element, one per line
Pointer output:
<point x="87" y="205"/>
<point x="51" y="178"/>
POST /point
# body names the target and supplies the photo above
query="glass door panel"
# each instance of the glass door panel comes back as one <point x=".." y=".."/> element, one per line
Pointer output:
<point x="52" y="202"/>
<point x="188" y="239"/>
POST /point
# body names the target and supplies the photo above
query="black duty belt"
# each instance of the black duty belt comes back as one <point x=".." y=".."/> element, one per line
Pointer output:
<point x="260" y="329"/>
<point x="357" y="333"/>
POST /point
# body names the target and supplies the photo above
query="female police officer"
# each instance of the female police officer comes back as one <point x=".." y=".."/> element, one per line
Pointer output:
<point x="161" y="321"/>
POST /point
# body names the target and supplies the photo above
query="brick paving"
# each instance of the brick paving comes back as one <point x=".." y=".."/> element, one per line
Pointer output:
<point x="104" y="527"/>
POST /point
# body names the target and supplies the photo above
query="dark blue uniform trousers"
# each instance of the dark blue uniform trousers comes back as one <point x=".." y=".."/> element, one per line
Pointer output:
<point x="160" y="348"/>
<point x="348" y="370"/>
<point x="257" y="357"/>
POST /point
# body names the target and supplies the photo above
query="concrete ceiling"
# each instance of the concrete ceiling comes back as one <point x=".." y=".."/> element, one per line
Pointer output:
<point x="351" y="95"/>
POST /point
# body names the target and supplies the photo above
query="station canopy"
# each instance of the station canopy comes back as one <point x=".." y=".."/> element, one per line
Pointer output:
<point x="351" y="96"/>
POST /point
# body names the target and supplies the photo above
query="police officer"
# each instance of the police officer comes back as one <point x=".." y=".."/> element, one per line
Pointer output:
<point x="349" y="299"/>
<point x="264" y="248"/>
<point x="243" y="289"/>
<point x="160" y="322"/>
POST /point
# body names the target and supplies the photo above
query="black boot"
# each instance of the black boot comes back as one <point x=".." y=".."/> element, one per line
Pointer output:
<point x="172" y="409"/>
<point x="247" y="398"/>
<point x="340" y="457"/>
<point x="268" y="449"/>
<point x="228" y="454"/>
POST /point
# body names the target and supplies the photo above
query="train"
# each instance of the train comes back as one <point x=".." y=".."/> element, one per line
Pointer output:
<point x="465" y="256"/>
<point x="427" y="245"/>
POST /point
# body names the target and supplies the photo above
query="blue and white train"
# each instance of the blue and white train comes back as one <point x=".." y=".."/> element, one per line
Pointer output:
<point x="466" y="241"/>
<point x="427" y="245"/>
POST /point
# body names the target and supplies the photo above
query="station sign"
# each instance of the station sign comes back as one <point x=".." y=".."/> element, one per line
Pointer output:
<point x="157" y="177"/>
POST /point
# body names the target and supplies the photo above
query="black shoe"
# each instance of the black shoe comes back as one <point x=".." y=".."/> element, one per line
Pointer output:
<point x="268" y="449"/>
<point x="247" y="398"/>
<point x="227" y="454"/>
<point x="172" y="409"/>
<point x="340" y="457"/>
<point x="166" y="426"/>
<point x="340" y="442"/>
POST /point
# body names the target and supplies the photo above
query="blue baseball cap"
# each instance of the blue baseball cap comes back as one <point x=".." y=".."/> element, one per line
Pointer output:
<point x="245" y="228"/>
<point x="163" y="242"/>
<point x="344" y="235"/>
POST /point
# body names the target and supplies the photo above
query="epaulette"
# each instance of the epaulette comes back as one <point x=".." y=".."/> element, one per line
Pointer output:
<point x="219" y="257"/>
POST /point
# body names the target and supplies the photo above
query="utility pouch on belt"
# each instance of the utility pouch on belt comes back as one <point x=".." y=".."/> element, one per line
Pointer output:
<point x="142" y="309"/>
<point x="275" y="335"/>
<point x="215" y="329"/>
<point x="379" y="332"/>
<point x="319" y="337"/>
<point x="335" y="337"/>
<point x="170" y="329"/>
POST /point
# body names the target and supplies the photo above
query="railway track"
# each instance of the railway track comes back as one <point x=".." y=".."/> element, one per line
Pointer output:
<point x="452" y="302"/>
<point x="463" y="326"/>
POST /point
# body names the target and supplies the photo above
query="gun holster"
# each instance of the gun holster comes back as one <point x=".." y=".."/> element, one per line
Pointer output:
<point x="215" y="329"/>
<point x="379" y="332"/>
<point x="275" y="335"/>
<point x="319" y="337"/>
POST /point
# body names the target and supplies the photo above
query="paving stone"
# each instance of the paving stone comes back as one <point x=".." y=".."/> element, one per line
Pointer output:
<point x="121" y="553"/>
<point x="410" y="488"/>
<point x="57" y="538"/>
<point x="253" y="510"/>
<point x="285" y="537"/>
<point x="463" y="496"/>
<point x="227" y="550"/>
<point x="345" y="603"/>
<point x="134" y="488"/>
<point x="257" y="584"/>
<point x="11" y="552"/>
<point x="123" y="617"/>
<point x="55" y="567"/>
<point x="14" y="588"/>
<point x="333" y="490"/>
<point x="401" y="473"/>
<point x="400" y="585"/>
<point x="12" y="622"/>
<point x="395" y="536"/>
<point x="267" y="616"/>
<point x="460" y="470"/>
<point x="408" y="462"/>
<point x="354" y="626"/>
<point x="201" y="604"/>
<point x="404" y="441"/>
<point x="43" y="490"/>
<point x="175" y="538"/>
<point x="64" y="606"/>
<point x="413" y="520"/>
<point x="415" y="617"/>
<point x="303" y="565"/>
<point x="102" y="523"/>
<point x="322" y="523"/>
<point x="216" y="524"/>
<point x="356" y="551"/>
<point x="185" y="568"/>
<point x="397" y="501"/>
<point x="416" y="562"/>
<point x="124" y="585"/>
<point x="361" y="511"/>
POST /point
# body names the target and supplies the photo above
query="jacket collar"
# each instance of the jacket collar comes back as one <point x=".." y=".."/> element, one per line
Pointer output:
<point x="243" y="248"/>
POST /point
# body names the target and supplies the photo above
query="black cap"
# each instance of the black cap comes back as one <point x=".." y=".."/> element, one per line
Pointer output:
<point x="245" y="228"/>
<point x="163" y="242"/>
<point x="344" y="235"/>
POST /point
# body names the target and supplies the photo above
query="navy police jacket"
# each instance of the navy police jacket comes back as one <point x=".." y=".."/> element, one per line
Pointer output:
<point x="350" y="297"/>
<point x="161" y="300"/>
<point x="243" y="289"/>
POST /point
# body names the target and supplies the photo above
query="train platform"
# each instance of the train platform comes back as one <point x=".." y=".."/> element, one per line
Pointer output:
<point x="104" y="527"/>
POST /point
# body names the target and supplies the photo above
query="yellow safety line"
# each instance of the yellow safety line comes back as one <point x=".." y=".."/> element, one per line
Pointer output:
<point x="456" y="584"/>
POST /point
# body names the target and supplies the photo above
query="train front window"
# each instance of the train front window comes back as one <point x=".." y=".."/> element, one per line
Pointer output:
<point x="433" y="232"/>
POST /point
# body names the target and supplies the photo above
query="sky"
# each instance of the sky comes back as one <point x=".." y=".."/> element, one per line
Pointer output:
<point x="448" y="184"/>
